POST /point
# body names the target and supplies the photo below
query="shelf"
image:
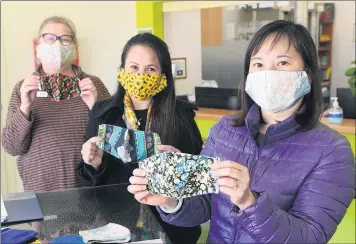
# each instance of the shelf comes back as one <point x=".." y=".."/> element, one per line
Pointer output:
<point x="324" y="41"/>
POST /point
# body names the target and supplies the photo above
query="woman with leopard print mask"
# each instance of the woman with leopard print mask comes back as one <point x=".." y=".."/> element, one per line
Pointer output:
<point x="145" y="100"/>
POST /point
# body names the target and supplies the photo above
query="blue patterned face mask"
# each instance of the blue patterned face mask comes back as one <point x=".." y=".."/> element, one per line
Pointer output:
<point x="276" y="90"/>
<point x="126" y="144"/>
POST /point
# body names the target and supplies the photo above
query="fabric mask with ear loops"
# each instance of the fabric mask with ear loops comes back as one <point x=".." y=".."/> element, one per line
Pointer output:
<point x="142" y="86"/>
<point x="56" y="55"/>
<point x="58" y="87"/>
<point x="179" y="175"/>
<point x="126" y="144"/>
<point x="277" y="90"/>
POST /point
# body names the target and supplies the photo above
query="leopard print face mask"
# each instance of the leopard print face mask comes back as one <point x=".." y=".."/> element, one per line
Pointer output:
<point x="142" y="86"/>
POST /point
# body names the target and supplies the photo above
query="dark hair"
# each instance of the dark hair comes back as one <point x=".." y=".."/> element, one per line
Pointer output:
<point x="300" y="38"/>
<point x="164" y="103"/>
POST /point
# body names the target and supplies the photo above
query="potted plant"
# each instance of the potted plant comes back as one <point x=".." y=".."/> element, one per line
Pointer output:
<point x="351" y="73"/>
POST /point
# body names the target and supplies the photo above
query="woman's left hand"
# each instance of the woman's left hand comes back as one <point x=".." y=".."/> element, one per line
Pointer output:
<point x="89" y="93"/>
<point x="167" y="148"/>
<point x="234" y="180"/>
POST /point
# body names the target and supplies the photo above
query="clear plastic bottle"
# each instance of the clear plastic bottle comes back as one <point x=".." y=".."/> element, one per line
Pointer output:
<point x="335" y="112"/>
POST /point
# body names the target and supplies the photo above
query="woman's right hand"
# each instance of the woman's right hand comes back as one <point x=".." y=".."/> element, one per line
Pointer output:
<point x="138" y="187"/>
<point x="92" y="155"/>
<point x="28" y="92"/>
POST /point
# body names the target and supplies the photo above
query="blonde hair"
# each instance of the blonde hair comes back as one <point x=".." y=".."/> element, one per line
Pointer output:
<point x="59" y="20"/>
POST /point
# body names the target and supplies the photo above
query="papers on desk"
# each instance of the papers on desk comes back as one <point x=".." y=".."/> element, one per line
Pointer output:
<point x="3" y="211"/>
<point x="21" y="207"/>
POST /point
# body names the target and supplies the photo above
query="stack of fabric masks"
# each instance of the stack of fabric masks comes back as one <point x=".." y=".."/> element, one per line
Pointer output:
<point x="60" y="87"/>
<point x="110" y="233"/>
<point x="128" y="145"/>
<point x="179" y="175"/>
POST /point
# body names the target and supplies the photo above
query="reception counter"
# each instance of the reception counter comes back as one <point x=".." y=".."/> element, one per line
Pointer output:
<point x="207" y="117"/>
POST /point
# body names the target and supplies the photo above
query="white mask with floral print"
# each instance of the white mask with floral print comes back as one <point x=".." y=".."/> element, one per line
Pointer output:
<point x="56" y="55"/>
<point x="277" y="90"/>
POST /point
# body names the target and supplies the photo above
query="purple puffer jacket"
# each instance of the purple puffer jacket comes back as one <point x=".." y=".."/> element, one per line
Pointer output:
<point x="305" y="181"/>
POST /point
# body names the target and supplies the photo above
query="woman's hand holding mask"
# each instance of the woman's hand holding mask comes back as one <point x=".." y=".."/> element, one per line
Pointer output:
<point x="91" y="154"/>
<point x="138" y="187"/>
<point x="234" y="180"/>
<point x="28" y="92"/>
<point x="89" y="93"/>
<point x="167" y="148"/>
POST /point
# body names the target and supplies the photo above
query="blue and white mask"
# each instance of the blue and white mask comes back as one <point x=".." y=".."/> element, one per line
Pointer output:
<point x="276" y="90"/>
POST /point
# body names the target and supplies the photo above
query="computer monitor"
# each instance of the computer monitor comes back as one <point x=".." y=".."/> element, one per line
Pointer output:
<point x="183" y="97"/>
<point x="347" y="102"/>
<point x="221" y="98"/>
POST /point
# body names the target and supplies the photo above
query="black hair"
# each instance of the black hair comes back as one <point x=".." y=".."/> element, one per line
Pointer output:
<point x="164" y="103"/>
<point x="300" y="38"/>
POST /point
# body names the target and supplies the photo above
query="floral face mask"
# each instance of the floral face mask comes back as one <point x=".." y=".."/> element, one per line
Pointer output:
<point x="58" y="87"/>
<point x="142" y="86"/>
<point x="56" y="55"/>
<point x="126" y="144"/>
<point x="179" y="175"/>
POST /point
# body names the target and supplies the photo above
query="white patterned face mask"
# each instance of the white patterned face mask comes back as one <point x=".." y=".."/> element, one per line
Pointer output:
<point x="56" y="55"/>
<point x="276" y="90"/>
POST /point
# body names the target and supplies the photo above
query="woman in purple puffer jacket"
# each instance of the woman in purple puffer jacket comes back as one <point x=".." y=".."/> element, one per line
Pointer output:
<point x="284" y="177"/>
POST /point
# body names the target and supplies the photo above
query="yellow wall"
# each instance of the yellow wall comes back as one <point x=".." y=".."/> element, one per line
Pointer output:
<point x="149" y="15"/>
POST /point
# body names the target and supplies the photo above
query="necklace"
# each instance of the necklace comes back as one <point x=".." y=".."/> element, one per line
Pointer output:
<point x="138" y="122"/>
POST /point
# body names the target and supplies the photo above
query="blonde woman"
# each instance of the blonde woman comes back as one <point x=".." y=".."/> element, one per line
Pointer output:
<point x="47" y="135"/>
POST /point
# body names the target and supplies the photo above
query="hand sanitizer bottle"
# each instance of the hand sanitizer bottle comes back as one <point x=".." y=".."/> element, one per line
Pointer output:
<point x="335" y="112"/>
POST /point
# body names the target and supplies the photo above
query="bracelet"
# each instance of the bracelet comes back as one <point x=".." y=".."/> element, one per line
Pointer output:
<point x="169" y="211"/>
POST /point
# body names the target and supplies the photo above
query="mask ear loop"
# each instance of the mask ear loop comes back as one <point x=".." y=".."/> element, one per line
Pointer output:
<point x="216" y="159"/>
<point x="126" y="148"/>
<point x="77" y="89"/>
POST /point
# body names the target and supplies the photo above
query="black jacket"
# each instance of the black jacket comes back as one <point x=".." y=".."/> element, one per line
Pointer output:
<point x="114" y="171"/>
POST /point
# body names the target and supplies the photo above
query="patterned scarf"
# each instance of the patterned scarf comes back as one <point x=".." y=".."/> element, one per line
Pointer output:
<point x="130" y="117"/>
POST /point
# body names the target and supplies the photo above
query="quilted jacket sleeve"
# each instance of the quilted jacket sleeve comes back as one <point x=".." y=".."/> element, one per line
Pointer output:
<point x="319" y="206"/>
<point x="195" y="210"/>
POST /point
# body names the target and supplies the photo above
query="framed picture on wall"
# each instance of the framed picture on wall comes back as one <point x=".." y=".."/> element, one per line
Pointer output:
<point x="180" y="67"/>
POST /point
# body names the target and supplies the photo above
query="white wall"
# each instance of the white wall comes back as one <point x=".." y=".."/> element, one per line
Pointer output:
<point x="183" y="35"/>
<point x="343" y="45"/>
<point x="103" y="28"/>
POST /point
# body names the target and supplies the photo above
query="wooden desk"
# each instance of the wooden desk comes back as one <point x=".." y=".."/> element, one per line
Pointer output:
<point x="347" y="127"/>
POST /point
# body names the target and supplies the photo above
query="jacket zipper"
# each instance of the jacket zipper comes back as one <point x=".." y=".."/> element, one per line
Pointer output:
<point x="259" y="148"/>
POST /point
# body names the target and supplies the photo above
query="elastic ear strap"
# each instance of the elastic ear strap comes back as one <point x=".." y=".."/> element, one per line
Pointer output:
<point x="126" y="138"/>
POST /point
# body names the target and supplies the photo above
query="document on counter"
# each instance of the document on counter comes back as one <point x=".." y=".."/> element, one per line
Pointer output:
<point x="21" y="207"/>
<point x="3" y="211"/>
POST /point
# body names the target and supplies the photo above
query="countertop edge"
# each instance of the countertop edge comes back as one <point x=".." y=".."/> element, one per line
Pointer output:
<point x="348" y="126"/>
